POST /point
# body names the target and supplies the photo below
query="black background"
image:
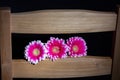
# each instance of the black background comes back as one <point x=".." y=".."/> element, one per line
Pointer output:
<point x="99" y="44"/>
<point x="28" y="5"/>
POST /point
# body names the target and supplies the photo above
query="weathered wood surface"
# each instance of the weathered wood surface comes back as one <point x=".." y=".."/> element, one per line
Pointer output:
<point x="63" y="21"/>
<point x="5" y="45"/>
<point x="63" y="68"/>
<point x="116" y="59"/>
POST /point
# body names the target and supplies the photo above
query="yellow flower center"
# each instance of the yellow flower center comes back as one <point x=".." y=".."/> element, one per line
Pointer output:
<point x="56" y="49"/>
<point x="75" y="48"/>
<point x="36" y="52"/>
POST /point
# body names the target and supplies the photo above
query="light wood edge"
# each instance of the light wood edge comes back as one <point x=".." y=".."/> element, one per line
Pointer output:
<point x="5" y="45"/>
<point x="63" y="68"/>
<point x="63" y="21"/>
<point x="116" y="59"/>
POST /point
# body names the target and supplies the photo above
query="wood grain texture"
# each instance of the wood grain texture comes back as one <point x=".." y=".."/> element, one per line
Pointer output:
<point x="63" y="21"/>
<point x="64" y="68"/>
<point x="116" y="63"/>
<point x="5" y="45"/>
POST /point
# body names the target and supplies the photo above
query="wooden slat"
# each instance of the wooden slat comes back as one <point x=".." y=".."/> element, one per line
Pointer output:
<point x="63" y="21"/>
<point x="116" y="63"/>
<point x="69" y="67"/>
<point x="5" y="45"/>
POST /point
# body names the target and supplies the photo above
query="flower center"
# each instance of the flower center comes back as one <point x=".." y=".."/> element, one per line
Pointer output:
<point x="56" y="49"/>
<point x="75" y="48"/>
<point x="36" y="52"/>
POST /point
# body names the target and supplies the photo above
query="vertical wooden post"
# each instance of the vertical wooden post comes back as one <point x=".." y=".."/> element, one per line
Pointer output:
<point x="116" y="59"/>
<point x="5" y="45"/>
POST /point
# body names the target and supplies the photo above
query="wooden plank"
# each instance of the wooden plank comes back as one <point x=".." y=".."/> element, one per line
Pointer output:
<point x="5" y="45"/>
<point x="63" y="21"/>
<point x="64" y="68"/>
<point x="116" y="63"/>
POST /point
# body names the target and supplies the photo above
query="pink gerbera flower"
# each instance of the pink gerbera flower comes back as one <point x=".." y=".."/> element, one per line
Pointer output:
<point x="34" y="52"/>
<point x="77" y="47"/>
<point x="56" y="48"/>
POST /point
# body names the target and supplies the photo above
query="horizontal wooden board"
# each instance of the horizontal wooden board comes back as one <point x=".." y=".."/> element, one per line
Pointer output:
<point x="63" y="21"/>
<point x="63" y="68"/>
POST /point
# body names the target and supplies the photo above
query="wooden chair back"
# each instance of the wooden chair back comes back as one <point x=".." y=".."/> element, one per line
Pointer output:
<point x="56" y="22"/>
